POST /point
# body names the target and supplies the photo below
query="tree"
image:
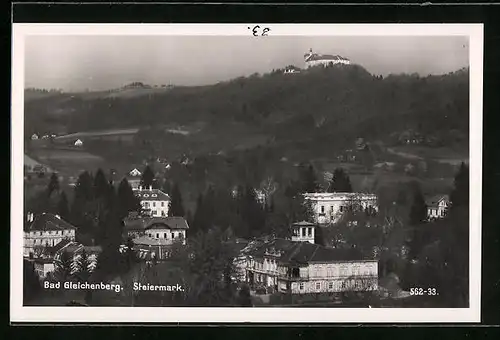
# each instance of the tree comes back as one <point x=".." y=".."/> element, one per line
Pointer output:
<point x="244" y="297"/>
<point x="418" y="211"/>
<point x="459" y="196"/>
<point x="340" y="181"/>
<point x="53" y="185"/>
<point x="417" y="218"/>
<point x="308" y="179"/>
<point x="101" y="185"/>
<point x="127" y="201"/>
<point x="147" y="177"/>
<point x="82" y="267"/>
<point x="63" y="267"/>
<point x="31" y="282"/>
<point x="82" y="197"/>
<point x="198" y="217"/>
<point x="63" y="207"/>
<point x="176" y="207"/>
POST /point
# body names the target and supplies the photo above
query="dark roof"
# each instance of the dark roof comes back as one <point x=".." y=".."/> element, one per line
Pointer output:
<point x="151" y="195"/>
<point x="304" y="224"/>
<point x="292" y="252"/>
<point x="53" y="250"/>
<point x="48" y="221"/>
<point x="145" y="223"/>
<point x="434" y="200"/>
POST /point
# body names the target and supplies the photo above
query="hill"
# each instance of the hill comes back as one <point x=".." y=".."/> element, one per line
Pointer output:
<point x="343" y="101"/>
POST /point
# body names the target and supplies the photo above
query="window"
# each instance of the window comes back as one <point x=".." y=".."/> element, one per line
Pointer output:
<point x="318" y="285"/>
<point x="154" y="212"/>
<point x="330" y="285"/>
<point x="172" y="235"/>
<point x="164" y="235"/>
<point x="303" y="231"/>
<point x="341" y="208"/>
<point x="162" y="204"/>
<point x="154" y="204"/>
<point x="157" y="235"/>
<point x="309" y="231"/>
<point x="163" y="213"/>
<point x="301" y="286"/>
<point x="322" y="209"/>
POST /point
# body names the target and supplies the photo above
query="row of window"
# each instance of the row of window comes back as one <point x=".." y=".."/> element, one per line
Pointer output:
<point x="157" y="213"/>
<point x="343" y="208"/>
<point x="318" y="285"/>
<point x="173" y="235"/>
<point x="52" y="232"/>
<point x="146" y="204"/>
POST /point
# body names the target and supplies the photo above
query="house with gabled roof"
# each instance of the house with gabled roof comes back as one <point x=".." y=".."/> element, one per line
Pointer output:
<point x="154" y="202"/>
<point x="154" y="236"/>
<point x="303" y="268"/>
<point x="44" y="231"/>
<point x="437" y="206"/>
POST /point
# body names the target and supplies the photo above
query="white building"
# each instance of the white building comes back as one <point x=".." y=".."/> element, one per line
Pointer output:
<point x="303" y="232"/>
<point x="78" y="142"/>
<point x="329" y="207"/>
<point x="154" y="202"/>
<point x="314" y="59"/>
<point x="34" y="136"/>
<point x="44" y="231"/>
<point x="303" y="268"/>
<point x="437" y="206"/>
<point x="135" y="173"/>
<point x="153" y="237"/>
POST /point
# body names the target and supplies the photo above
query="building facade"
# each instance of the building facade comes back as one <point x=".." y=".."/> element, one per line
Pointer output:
<point x="329" y="207"/>
<point x="315" y="59"/>
<point x="44" y="231"/>
<point x="154" y="237"/>
<point x="303" y="232"/>
<point x="437" y="206"/>
<point x="154" y="202"/>
<point x="302" y="268"/>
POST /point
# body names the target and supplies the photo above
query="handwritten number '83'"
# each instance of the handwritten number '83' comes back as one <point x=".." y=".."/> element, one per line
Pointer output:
<point x="256" y="31"/>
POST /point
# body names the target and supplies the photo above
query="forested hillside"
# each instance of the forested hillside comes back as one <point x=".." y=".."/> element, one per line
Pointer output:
<point x="330" y="105"/>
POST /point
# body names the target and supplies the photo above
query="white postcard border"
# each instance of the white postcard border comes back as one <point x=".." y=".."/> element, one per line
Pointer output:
<point x="19" y="313"/>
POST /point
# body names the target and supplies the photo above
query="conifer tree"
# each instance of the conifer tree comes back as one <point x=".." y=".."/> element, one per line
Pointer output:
<point x="127" y="201"/>
<point x="63" y="207"/>
<point x="176" y="206"/>
<point x="309" y="180"/>
<point x="147" y="177"/>
<point x="63" y="267"/>
<point x="100" y="185"/>
<point x="82" y="267"/>
<point x="53" y="185"/>
<point x="340" y="181"/>
<point x="459" y="196"/>
<point x="418" y="211"/>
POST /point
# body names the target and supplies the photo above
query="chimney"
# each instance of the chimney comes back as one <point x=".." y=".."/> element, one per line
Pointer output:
<point x="150" y="187"/>
<point x="140" y="187"/>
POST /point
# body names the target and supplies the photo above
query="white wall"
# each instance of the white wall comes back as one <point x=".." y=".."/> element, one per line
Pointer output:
<point x="157" y="208"/>
<point x="328" y="208"/>
<point x="165" y="233"/>
<point x="301" y="234"/>
<point x="42" y="238"/>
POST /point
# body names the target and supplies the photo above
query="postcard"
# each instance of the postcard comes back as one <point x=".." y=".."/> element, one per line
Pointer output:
<point x="238" y="172"/>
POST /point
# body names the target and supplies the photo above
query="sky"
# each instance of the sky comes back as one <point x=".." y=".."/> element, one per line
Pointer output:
<point x="74" y="63"/>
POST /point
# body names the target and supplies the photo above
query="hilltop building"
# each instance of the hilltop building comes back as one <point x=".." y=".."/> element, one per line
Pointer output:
<point x="154" y="202"/>
<point x="315" y="59"/>
<point x="298" y="268"/>
<point x="78" y="142"/>
<point x="329" y="207"/>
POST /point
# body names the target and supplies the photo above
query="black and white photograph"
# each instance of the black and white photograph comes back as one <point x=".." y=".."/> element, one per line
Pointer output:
<point x="235" y="174"/>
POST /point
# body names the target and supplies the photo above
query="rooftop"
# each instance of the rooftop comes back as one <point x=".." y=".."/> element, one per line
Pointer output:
<point x="434" y="200"/>
<point x="145" y="223"/>
<point x="46" y="221"/>
<point x="339" y="195"/>
<point x="292" y="252"/>
<point x="149" y="241"/>
<point x="151" y="194"/>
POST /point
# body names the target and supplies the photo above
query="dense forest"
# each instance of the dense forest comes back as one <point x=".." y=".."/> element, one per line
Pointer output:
<point x="330" y="105"/>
